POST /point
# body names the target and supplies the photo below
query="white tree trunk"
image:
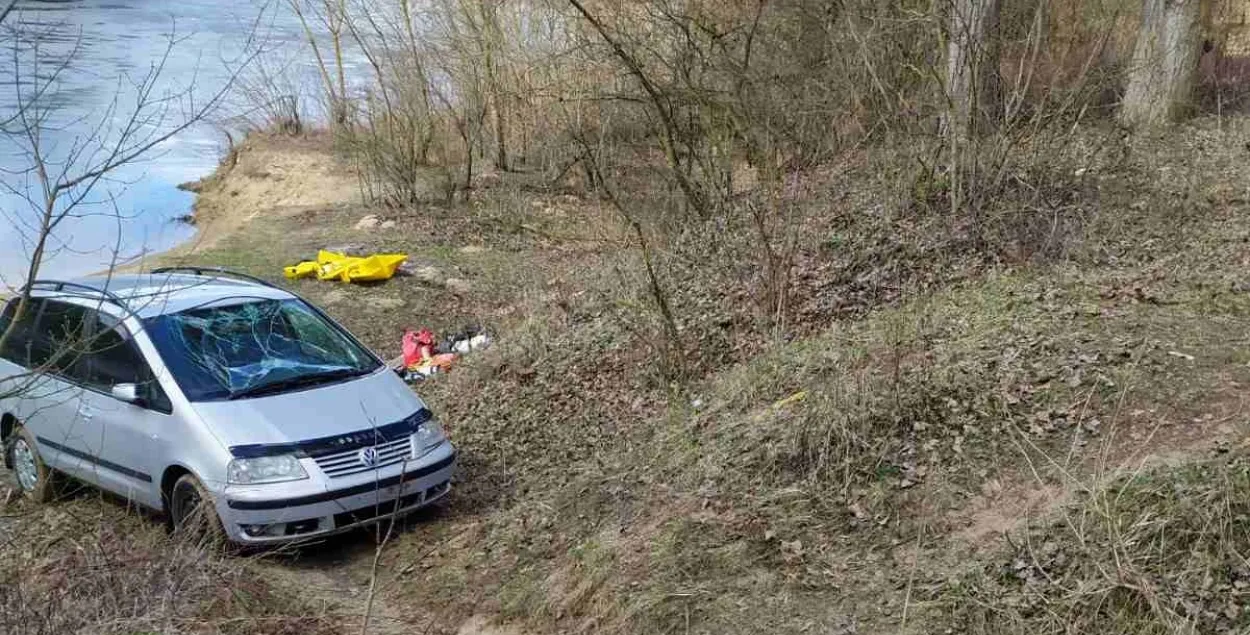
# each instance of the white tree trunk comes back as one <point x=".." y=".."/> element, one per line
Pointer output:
<point x="971" y="67"/>
<point x="1165" y="63"/>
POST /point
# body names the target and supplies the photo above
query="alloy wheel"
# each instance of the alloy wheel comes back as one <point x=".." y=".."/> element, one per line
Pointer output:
<point x="26" y="466"/>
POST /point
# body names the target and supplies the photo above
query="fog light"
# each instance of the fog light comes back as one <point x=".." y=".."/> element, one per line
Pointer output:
<point x="255" y="530"/>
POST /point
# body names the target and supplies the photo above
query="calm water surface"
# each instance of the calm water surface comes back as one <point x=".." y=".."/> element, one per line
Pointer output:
<point x="116" y="43"/>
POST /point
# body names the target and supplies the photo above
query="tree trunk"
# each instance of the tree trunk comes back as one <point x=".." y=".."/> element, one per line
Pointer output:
<point x="1165" y="63"/>
<point x="501" y="134"/>
<point x="972" y="85"/>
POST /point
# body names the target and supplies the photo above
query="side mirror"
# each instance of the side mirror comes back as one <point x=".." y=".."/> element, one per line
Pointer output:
<point x="128" y="393"/>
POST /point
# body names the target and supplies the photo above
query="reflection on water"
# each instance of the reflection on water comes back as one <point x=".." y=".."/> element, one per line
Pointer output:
<point x="103" y="48"/>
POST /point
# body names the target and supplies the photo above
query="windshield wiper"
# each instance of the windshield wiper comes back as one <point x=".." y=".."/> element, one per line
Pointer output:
<point x="299" y="381"/>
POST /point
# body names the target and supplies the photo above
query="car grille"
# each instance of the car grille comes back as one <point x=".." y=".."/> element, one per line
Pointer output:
<point x="381" y="509"/>
<point x="341" y="464"/>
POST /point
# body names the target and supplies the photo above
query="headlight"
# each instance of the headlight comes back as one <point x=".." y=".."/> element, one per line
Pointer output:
<point x="265" y="469"/>
<point x="427" y="437"/>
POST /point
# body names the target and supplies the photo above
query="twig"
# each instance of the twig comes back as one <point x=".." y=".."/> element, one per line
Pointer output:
<point x="5" y="12"/>
<point x="911" y="576"/>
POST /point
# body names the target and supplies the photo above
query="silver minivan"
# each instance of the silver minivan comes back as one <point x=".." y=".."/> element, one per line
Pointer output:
<point x="192" y="390"/>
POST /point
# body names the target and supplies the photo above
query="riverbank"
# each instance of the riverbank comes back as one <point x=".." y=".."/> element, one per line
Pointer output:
<point x="265" y="176"/>
<point x="942" y="440"/>
<point x="100" y="45"/>
<point x="277" y="200"/>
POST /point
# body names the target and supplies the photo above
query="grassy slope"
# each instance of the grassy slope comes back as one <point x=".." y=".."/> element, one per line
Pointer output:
<point x="857" y="479"/>
<point x="847" y="478"/>
<point x="89" y="565"/>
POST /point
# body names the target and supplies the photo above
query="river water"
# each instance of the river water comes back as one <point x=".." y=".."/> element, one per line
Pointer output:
<point x="106" y="46"/>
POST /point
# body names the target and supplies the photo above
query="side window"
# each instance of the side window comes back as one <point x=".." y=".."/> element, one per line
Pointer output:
<point x="57" y="343"/>
<point x="113" y="358"/>
<point x="6" y="317"/>
<point x="16" y="347"/>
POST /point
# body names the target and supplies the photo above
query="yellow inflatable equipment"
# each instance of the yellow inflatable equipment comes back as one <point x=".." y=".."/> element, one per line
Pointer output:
<point x="335" y="266"/>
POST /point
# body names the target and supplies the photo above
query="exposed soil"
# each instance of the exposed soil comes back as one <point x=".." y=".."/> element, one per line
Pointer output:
<point x="270" y="177"/>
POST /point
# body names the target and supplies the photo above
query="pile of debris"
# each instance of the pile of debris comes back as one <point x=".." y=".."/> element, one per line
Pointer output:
<point x="425" y="357"/>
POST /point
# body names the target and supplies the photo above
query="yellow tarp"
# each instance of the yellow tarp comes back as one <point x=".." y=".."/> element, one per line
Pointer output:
<point x="335" y="266"/>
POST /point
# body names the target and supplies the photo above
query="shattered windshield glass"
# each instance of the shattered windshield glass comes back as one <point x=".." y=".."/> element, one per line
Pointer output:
<point x="254" y="347"/>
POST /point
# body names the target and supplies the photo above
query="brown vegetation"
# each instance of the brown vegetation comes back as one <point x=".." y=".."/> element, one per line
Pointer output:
<point x="834" y="470"/>
<point x="779" y="319"/>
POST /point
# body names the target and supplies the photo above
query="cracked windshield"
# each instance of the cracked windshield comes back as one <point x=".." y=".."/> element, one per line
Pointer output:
<point x="246" y="349"/>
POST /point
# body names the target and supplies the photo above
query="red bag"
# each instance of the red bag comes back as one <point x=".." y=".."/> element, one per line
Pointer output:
<point x="418" y="347"/>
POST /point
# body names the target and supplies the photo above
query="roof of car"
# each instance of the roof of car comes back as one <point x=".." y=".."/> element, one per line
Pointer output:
<point x="151" y="294"/>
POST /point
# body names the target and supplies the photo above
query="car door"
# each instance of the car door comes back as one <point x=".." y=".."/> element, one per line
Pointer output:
<point x="47" y="341"/>
<point x="123" y="437"/>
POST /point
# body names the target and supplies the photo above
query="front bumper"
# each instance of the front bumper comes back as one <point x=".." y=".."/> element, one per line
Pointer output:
<point x="276" y="514"/>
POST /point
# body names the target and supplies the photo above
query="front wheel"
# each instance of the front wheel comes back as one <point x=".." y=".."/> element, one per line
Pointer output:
<point x="34" y="479"/>
<point x="192" y="512"/>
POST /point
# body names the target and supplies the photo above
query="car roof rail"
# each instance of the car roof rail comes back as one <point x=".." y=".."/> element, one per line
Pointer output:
<point x="216" y="272"/>
<point x="72" y="287"/>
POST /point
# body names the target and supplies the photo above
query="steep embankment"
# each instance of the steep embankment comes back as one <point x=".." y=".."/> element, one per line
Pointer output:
<point x="861" y="477"/>
<point x="271" y="178"/>
<point x="950" y="438"/>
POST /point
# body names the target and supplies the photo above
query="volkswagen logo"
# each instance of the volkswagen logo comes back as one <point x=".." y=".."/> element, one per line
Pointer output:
<point x="368" y="457"/>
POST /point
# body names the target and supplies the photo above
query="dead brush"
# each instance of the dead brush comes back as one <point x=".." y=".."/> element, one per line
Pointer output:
<point x="1160" y="551"/>
<point x="1033" y="196"/>
<point x="858" y="427"/>
<point x="103" y="572"/>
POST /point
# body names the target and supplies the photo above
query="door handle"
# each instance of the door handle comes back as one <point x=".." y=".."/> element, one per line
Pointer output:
<point x="86" y="413"/>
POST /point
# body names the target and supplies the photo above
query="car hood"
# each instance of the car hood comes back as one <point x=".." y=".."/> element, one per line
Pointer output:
<point x="321" y="411"/>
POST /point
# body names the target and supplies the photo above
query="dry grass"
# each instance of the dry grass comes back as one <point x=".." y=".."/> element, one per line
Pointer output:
<point x="820" y="475"/>
<point x="1162" y="551"/>
<point x="87" y="566"/>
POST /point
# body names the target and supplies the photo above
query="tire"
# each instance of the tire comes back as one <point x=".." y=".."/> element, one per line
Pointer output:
<point x="192" y="513"/>
<point x="32" y="477"/>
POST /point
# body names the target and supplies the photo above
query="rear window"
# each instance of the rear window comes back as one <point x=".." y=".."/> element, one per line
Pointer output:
<point x="48" y="336"/>
<point x="16" y="343"/>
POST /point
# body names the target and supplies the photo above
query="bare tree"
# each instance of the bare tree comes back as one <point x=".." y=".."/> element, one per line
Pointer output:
<point x="331" y="15"/>
<point x="467" y="113"/>
<point x="669" y="134"/>
<point x="63" y="182"/>
<point x="972" y="86"/>
<point x="463" y="88"/>
<point x="266" y="98"/>
<point x="1164" y="69"/>
<point x="489" y="33"/>
<point x="399" y="118"/>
